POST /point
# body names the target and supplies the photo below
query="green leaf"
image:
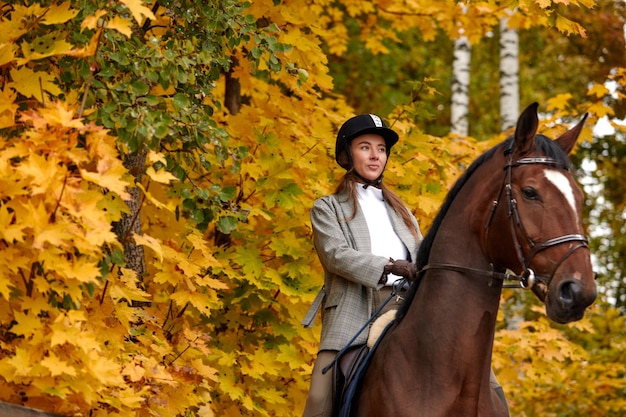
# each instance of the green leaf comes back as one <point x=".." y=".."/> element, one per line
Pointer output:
<point x="139" y="87"/>
<point x="227" y="224"/>
<point x="180" y="101"/>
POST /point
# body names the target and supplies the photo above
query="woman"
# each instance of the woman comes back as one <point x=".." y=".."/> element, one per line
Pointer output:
<point x="365" y="239"/>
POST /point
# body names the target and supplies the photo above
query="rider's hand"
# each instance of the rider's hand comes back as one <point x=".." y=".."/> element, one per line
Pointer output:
<point x="402" y="268"/>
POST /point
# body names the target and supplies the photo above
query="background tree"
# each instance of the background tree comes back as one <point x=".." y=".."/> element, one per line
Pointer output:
<point x="509" y="75"/>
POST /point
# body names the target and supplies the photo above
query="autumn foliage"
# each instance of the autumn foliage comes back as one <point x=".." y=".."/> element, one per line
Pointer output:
<point x="155" y="247"/>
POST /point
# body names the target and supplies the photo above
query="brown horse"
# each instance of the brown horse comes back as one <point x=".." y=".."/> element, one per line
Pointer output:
<point x="517" y="208"/>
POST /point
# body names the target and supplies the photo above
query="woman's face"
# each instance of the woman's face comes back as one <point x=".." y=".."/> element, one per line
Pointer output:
<point x="369" y="155"/>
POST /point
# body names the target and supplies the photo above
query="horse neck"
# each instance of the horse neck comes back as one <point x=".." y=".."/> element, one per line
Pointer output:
<point x="463" y="305"/>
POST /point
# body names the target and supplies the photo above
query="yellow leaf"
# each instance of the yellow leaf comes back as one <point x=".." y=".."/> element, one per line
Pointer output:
<point x="61" y="334"/>
<point x="170" y="206"/>
<point x="138" y="10"/>
<point x="21" y="361"/>
<point x="7" y="53"/>
<point x="54" y="234"/>
<point x="134" y="372"/>
<point x="151" y="243"/>
<point x="153" y="157"/>
<point x="105" y="370"/>
<point x="92" y="22"/>
<point x="31" y="83"/>
<point x="600" y="109"/>
<point x="199" y="243"/>
<point x="59" y="113"/>
<point x="200" y="301"/>
<point x="56" y="366"/>
<point x="81" y="269"/>
<point x="126" y="288"/>
<point x="428" y="204"/>
<point x="162" y="176"/>
<point x="122" y="25"/>
<point x="10" y="230"/>
<point x="598" y="90"/>
<point x="133" y="399"/>
<point x="569" y="27"/>
<point x="39" y="171"/>
<point x="166" y="277"/>
<point x="558" y="102"/>
<point x="26" y="324"/>
<point x="7" y="116"/>
<point x="109" y="177"/>
<point x="158" y="90"/>
<point x="59" y="13"/>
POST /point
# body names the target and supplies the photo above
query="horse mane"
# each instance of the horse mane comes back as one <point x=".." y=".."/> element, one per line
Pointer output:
<point x="544" y="146"/>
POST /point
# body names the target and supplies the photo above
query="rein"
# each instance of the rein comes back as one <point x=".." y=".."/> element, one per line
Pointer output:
<point x="527" y="279"/>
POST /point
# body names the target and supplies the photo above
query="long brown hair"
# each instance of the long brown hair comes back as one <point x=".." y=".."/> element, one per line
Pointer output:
<point x="348" y="185"/>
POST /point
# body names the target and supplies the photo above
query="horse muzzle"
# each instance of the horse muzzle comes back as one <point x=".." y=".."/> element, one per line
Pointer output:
<point x="567" y="299"/>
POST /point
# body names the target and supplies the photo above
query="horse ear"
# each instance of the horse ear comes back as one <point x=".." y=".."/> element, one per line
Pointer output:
<point x="568" y="139"/>
<point x="526" y="128"/>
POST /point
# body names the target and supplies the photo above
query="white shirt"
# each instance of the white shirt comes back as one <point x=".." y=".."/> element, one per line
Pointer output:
<point x="384" y="240"/>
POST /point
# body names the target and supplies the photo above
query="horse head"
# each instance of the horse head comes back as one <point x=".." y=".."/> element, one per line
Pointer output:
<point x="540" y="212"/>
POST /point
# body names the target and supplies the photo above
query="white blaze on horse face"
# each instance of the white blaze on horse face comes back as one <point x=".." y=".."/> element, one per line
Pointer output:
<point x="561" y="182"/>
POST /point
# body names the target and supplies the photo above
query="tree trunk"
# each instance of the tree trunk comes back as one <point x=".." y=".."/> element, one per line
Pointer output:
<point x="459" y="109"/>
<point x="232" y="93"/>
<point x="509" y="75"/>
<point x="134" y="254"/>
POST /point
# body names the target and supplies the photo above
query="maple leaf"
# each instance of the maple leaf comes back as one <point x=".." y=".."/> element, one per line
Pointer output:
<point x="150" y="242"/>
<point x="249" y="259"/>
<point x="82" y="269"/>
<point x="56" y="366"/>
<point x="104" y="369"/>
<point x="20" y="361"/>
<point x="58" y="13"/>
<point x="138" y="10"/>
<point x="10" y="230"/>
<point x="26" y="324"/>
<point x="600" y="109"/>
<point x="161" y="176"/>
<point x="109" y="177"/>
<point x="169" y="206"/>
<point x="126" y="288"/>
<point x="58" y="113"/>
<point x="569" y="27"/>
<point x="202" y="302"/>
<point x="199" y="243"/>
<point x="39" y="170"/>
<point x="31" y="83"/>
<point x="17" y="26"/>
<point x="134" y="372"/>
<point x="53" y="234"/>
<point x="93" y="21"/>
<point x="560" y="101"/>
<point x="7" y="53"/>
<point x="124" y="26"/>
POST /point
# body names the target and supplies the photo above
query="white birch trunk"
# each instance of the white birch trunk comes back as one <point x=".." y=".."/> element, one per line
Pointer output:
<point x="459" y="108"/>
<point x="509" y="75"/>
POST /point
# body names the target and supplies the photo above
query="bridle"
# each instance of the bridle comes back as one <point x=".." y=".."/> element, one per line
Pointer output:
<point x="527" y="278"/>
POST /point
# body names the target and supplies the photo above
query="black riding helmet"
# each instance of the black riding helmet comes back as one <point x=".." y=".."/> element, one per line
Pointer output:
<point x="360" y="125"/>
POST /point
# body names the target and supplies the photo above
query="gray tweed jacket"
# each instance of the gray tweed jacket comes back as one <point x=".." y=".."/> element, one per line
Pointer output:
<point x="351" y="271"/>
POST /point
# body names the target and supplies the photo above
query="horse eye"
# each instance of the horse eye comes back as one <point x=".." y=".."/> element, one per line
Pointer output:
<point x="530" y="193"/>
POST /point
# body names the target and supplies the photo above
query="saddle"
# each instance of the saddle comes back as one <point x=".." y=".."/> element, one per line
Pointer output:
<point x="344" y="372"/>
<point x="351" y="364"/>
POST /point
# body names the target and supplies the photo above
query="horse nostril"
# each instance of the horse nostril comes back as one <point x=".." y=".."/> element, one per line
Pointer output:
<point x="568" y="290"/>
